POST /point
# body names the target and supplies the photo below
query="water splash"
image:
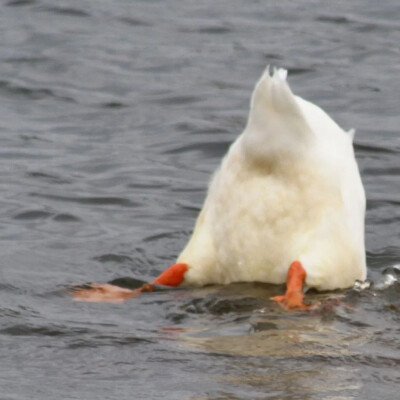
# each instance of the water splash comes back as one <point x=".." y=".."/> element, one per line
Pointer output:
<point x="391" y="276"/>
<point x="359" y="286"/>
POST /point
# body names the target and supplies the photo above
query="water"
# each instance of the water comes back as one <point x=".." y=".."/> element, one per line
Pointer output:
<point x="113" y="116"/>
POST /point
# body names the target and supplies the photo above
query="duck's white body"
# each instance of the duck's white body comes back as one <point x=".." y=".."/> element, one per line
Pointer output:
<point x="288" y="189"/>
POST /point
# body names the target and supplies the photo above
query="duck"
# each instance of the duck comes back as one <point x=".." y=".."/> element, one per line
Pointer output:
<point x="285" y="206"/>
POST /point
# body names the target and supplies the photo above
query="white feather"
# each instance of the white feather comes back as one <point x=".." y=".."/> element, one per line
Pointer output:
<point x="288" y="189"/>
<point x="351" y="133"/>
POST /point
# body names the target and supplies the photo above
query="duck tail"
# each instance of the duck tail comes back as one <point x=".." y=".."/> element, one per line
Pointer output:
<point x="351" y="133"/>
<point x="276" y="121"/>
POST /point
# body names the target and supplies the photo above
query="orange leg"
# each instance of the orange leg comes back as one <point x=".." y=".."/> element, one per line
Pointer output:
<point x="293" y="298"/>
<point x="97" y="292"/>
<point x="173" y="276"/>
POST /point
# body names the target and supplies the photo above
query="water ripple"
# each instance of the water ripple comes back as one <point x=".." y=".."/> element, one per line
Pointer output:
<point x="18" y="3"/>
<point x="65" y="11"/>
<point x="14" y="89"/>
<point x="30" y="330"/>
<point x="95" y="200"/>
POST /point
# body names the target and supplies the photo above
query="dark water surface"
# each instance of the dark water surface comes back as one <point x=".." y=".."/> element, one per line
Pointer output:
<point x="113" y="114"/>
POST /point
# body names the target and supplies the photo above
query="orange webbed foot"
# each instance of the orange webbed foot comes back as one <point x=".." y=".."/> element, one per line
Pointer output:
<point x="103" y="292"/>
<point x="291" y="301"/>
<point x="293" y="298"/>
<point x="108" y="293"/>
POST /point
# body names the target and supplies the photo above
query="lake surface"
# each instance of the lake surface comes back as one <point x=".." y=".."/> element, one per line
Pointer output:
<point x="113" y="115"/>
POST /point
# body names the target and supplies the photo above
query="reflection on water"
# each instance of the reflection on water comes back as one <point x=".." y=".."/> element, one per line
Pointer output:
<point x="288" y="355"/>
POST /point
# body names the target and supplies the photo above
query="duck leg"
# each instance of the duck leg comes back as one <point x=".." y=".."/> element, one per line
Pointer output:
<point x="105" y="292"/>
<point x="293" y="298"/>
<point x="172" y="276"/>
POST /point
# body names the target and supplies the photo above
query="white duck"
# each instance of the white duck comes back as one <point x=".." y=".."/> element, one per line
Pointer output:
<point x="286" y="204"/>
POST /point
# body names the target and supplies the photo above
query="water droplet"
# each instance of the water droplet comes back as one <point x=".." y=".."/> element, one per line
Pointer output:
<point x="361" y="285"/>
<point x="391" y="275"/>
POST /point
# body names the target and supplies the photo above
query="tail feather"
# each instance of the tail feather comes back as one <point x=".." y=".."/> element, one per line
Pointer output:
<point x="351" y="133"/>
<point x="276" y="122"/>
